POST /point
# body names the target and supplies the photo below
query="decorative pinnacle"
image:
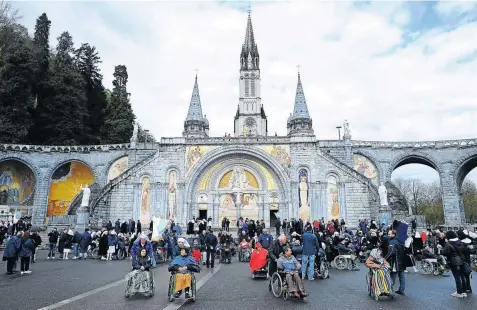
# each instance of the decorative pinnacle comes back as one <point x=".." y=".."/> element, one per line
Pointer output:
<point x="249" y="10"/>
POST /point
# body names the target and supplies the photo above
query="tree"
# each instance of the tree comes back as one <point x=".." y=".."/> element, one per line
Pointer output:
<point x="87" y="60"/>
<point x="469" y="197"/>
<point x="143" y="133"/>
<point x="42" y="56"/>
<point x="16" y="76"/>
<point x="8" y="15"/>
<point x="60" y="117"/>
<point x="119" y="117"/>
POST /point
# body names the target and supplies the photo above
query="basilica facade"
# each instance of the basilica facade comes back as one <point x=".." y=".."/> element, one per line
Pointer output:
<point x="250" y="174"/>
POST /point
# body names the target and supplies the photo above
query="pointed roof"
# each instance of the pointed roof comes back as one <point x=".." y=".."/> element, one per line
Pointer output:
<point x="249" y="46"/>
<point x="300" y="109"/>
<point x="195" y="107"/>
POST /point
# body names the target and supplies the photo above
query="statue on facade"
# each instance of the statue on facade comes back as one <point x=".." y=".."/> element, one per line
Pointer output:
<point x="86" y="195"/>
<point x="134" y="137"/>
<point x="346" y="130"/>
<point x="383" y="195"/>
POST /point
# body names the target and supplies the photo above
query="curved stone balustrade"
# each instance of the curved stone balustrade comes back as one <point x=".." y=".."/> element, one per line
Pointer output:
<point x="63" y="149"/>
<point x="462" y="143"/>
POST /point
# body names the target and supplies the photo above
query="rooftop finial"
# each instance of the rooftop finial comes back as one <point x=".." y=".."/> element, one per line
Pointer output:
<point x="298" y="68"/>
<point x="196" y="72"/>
<point x="249" y="10"/>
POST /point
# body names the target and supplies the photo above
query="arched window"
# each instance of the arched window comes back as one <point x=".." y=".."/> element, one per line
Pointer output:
<point x="247" y="86"/>
<point x="252" y="85"/>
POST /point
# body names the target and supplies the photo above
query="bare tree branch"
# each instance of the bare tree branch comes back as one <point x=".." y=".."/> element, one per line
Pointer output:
<point x="8" y="14"/>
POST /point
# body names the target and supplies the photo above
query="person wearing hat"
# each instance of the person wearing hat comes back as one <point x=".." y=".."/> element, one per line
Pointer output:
<point x="454" y="251"/>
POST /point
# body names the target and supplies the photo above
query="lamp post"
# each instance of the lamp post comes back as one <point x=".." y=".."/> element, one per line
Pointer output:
<point x="339" y="132"/>
<point x="146" y="133"/>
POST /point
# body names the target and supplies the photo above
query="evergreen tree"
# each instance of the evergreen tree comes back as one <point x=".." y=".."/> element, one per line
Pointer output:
<point x="60" y="116"/>
<point x="88" y="60"/>
<point x="16" y="76"/>
<point x="42" y="56"/>
<point x="119" y="117"/>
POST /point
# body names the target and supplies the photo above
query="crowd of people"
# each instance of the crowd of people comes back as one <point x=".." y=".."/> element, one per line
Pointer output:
<point x="296" y="246"/>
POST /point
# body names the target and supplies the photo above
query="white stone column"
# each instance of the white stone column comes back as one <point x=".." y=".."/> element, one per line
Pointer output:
<point x="137" y="202"/>
<point x="450" y="198"/>
<point x="342" y="201"/>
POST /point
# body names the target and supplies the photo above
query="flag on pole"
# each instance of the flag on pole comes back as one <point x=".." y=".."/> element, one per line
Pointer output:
<point x="158" y="227"/>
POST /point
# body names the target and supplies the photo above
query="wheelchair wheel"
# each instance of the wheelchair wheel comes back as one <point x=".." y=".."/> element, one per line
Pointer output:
<point x="276" y="284"/>
<point x="94" y="253"/>
<point x="426" y="267"/>
<point x="152" y="285"/>
<point x="340" y="262"/>
<point x="240" y="256"/>
<point x="193" y="288"/>
<point x="324" y="271"/>
<point x="170" y="292"/>
<point x="286" y="295"/>
<point x="127" y="293"/>
<point x="368" y="284"/>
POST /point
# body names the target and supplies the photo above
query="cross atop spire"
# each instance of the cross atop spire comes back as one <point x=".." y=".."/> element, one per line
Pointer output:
<point x="195" y="107"/>
<point x="249" y="10"/>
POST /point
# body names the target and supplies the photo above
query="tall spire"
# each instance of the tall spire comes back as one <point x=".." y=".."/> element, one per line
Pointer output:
<point x="299" y="123"/>
<point x="249" y="55"/>
<point x="300" y="109"/>
<point x="195" y="107"/>
<point x="195" y="125"/>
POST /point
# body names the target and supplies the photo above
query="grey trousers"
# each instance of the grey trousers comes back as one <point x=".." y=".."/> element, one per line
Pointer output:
<point x="294" y="282"/>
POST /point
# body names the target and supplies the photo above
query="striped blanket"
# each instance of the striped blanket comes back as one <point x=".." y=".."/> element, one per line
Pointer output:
<point x="381" y="282"/>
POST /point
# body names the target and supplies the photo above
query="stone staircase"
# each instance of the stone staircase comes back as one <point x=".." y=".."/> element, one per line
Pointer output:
<point x="350" y="171"/>
<point x="118" y="180"/>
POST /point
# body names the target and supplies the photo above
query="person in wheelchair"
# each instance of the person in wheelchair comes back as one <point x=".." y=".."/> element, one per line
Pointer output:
<point x="182" y="268"/>
<point x="288" y="264"/>
<point x="258" y="260"/>
<point x="140" y="280"/>
<point x="427" y="253"/>
<point x="225" y="248"/>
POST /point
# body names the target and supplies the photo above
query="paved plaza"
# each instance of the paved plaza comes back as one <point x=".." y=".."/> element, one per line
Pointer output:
<point x="94" y="284"/>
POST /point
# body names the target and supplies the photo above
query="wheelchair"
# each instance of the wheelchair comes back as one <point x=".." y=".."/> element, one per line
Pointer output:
<point x="225" y="255"/>
<point x="262" y="272"/>
<point x="131" y="289"/>
<point x="322" y="269"/>
<point x="371" y="289"/>
<point x="278" y="286"/>
<point x="345" y="260"/>
<point x="244" y="254"/>
<point x="437" y="266"/>
<point x="172" y="285"/>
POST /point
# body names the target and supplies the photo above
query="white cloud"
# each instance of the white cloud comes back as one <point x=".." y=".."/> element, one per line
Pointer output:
<point x="406" y="95"/>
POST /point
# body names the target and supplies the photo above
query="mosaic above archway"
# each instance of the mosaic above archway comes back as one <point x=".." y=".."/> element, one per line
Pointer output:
<point x="67" y="181"/>
<point x="117" y="168"/>
<point x="17" y="184"/>
<point x="364" y="166"/>
<point x="194" y="154"/>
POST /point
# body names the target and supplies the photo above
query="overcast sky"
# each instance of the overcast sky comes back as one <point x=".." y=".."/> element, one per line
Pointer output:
<point x="394" y="70"/>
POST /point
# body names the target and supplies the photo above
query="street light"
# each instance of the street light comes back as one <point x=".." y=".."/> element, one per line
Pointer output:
<point x="146" y="132"/>
<point x="339" y="132"/>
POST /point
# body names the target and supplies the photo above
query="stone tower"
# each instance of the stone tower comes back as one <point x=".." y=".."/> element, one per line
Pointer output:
<point x="195" y="124"/>
<point x="250" y="119"/>
<point x="299" y="123"/>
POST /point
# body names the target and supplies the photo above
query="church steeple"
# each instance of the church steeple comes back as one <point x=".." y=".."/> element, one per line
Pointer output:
<point x="195" y="125"/>
<point x="249" y="57"/>
<point x="299" y="123"/>
<point x="250" y="119"/>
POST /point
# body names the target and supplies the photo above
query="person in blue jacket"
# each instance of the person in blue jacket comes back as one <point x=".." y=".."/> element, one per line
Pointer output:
<point x="11" y="252"/>
<point x="26" y="251"/>
<point x="84" y="243"/>
<point x="310" y="248"/>
<point x="265" y="239"/>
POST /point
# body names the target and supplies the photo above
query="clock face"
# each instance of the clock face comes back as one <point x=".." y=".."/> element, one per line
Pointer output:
<point x="250" y="122"/>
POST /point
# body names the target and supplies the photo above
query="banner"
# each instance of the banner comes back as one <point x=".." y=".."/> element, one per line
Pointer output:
<point x="158" y="227"/>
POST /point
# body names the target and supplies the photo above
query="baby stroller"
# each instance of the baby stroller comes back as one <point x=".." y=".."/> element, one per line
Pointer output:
<point x="140" y="282"/>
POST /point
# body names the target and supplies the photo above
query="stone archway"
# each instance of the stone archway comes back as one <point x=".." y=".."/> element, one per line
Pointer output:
<point x="213" y="177"/>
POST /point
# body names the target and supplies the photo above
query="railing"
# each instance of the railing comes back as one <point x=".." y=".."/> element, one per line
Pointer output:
<point x="120" y="178"/>
<point x="354" y="173"/>
<point x="62" y="220"/>
<point x="458" y="143"/>
<point x="63" y="148"/>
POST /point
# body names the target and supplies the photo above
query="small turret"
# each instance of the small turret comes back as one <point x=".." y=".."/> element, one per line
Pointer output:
<point x="195" y="124"/>
<point x="299" y="123"/>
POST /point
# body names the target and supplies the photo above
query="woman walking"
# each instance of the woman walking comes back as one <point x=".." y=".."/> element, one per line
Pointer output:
<point x="454" y="251"/>
<point x="26" y="252"/>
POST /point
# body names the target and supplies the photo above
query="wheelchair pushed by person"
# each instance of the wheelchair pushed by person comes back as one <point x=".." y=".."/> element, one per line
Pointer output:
<point x="286" y="281"/>
<point x="141" y="279"/>
<point x="182" y="277"/>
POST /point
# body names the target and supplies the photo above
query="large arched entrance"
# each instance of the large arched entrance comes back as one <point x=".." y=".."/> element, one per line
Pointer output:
<point x="466" y="179"/>
<point x="231" y="183"/>
<point x="66" y="182"/>
<point x="417" y="178"/>
<point x="17" y="188"/>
